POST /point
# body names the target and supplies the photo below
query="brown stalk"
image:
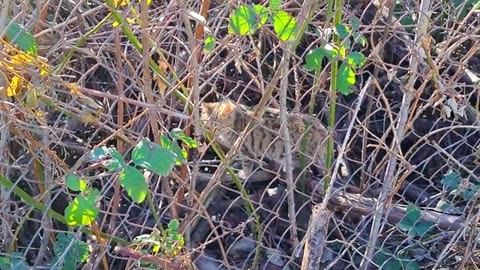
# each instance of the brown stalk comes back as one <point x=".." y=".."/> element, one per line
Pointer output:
<point x="101" y="242"/>
<point x="174" y="264"/>
<point x="40" y="24"/>
<point x="120" y="145"/>
<point x="199" y="32"/>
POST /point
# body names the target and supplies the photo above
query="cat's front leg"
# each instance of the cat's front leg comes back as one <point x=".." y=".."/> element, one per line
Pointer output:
<point x="283" y="164"/>
<point x="247" y="168"/>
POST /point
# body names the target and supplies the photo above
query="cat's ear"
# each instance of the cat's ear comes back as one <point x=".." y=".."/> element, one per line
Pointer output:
<point x="228" y="108"/>
<point x="208" y="108"/>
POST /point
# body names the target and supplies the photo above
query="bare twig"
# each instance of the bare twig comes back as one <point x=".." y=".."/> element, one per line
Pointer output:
<point x="408" y="94"/>
<point x="120" y="145"/>
<point x="193" y="83"/>
<point x="316" y="238"/>
<point x="359" y="205"/>
<point x="285" y="135"/>
<point x="174" y="264"/>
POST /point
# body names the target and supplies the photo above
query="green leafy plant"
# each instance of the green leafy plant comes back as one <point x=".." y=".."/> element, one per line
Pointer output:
<point x="209" y="44"/>
<point x="407" y="17"/>
<point x="344" y="62"/>
<point x="387" y="260"/>
<point x="462" y="7"/>
<point x="174" y="241"/>
<point x="82" y="210"/>
<point x="154" y="243"/>
<point x="451" y="181"/>
<point x="458" y="187"/>
<point x="412" y="224"/>
<point x="69" y="251"/>
<point x="284" y="25"/>
<point x="18" y="35"/>
<point x="350" y="60"/>
<point x="248" y="19"/>
<point x="154" y="157"/>
<point x="15" y="261"/>
<point x="159" y="159"/>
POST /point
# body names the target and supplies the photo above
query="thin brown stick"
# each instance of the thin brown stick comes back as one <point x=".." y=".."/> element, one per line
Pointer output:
<point x="285" y="135"/>
<point x="316" y="238"/>
<point x="120" y="145"/>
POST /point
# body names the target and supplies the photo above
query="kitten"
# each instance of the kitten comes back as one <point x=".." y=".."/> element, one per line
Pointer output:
<point x="227" y="120"/>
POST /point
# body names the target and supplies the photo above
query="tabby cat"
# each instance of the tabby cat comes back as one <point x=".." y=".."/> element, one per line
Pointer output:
<point x="227" y="120"/>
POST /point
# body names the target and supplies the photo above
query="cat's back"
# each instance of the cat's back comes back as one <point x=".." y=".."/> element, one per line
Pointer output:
<point x="230" y="119"/>
<point x="265" y="139"/>
<point x="298" y="123"/>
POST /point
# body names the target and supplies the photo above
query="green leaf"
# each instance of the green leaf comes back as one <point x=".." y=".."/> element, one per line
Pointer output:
<point x="470" y="191"/>
<point x="73" y="251"/>
<point x="345" y="79"/>
<point x="355" y="23"/>
<point x="342" y="30"/>
<point x="389" y="261"/>
<point x="412" y="223"/>
<point x="209" y="44"/>
<point x="101" y="154"/>
<point x="174" y="241"/>
<point x="82" y="210"/>
<point x="178" y="134"/>
<point x="359" y="39"/>
<point x="173" y="146"/>
<point x="421" y="228"/>
<point x="410" y="264"/>
<point x="445" y="206"/>
<point x="342" y="52"/>
<point x="244" y="21"/>
<point x="408" y="23"/>
<point x="75" y="183"/>
<point x="113" y="165"/>
<point x="116" y="24"/>
<point x="262" y="14"/>
<point x="451" y="180"/>
<point x="173" y="225"/>
<point x="20" y="36"/>
<point x="391" y="264"/>
<point x="143" y="238"/>
<point x="4" y="263"/>
<point x="133" y="181"/>
<point x="154" y="157"/>
<point x="148" y="239"/>
<point x="117" y="162"/>
<point x="386" y="260"/>
<point x="274" y="5"/>
<point x="313" y="60"/>
<point x="18" y="263"/>
<point x="14" y="261"/>
<point x="284" y="25"/>
<point x="469" y="4"/>
<point x="346" y="45"/>
<point x="356" y="59"/>
<point x="329" y="52"/>
<point x="411" y="217"/>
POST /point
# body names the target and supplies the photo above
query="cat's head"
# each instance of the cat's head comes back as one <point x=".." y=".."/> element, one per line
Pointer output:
<point x="216" y="114"/>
